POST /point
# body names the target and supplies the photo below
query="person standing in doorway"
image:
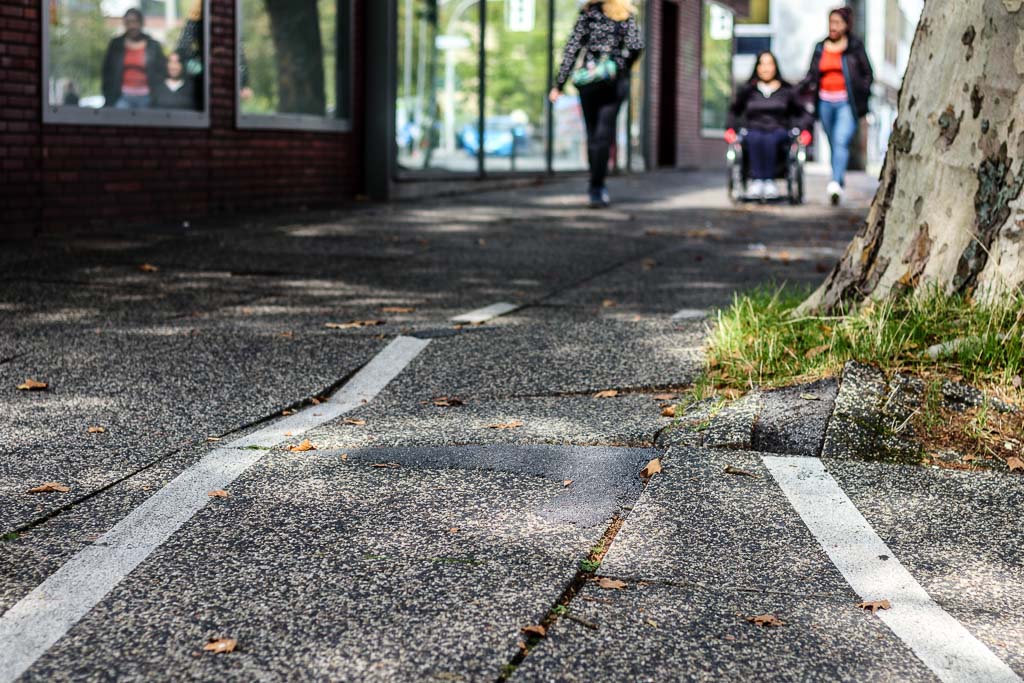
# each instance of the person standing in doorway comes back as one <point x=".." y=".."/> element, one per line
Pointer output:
<point x="840" y="76"/>
<point x="133" y="66"/>
<point x="607" y="34"/>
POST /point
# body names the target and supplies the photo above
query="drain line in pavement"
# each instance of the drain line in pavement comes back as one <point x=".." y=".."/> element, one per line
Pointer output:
<point x="41" y="618"/>
<point x="935" y="636"/>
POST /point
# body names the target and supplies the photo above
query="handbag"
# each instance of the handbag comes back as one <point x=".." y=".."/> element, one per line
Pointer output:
<point x="604" y="70"/>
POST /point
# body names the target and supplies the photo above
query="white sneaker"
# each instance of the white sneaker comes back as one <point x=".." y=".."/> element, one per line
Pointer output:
<point x="755" y="189"/>
<point x="771" y="190"/>
<point x="835" y="193"/>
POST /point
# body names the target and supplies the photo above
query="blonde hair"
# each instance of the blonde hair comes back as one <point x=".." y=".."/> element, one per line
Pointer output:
<point x="616" y="10"/>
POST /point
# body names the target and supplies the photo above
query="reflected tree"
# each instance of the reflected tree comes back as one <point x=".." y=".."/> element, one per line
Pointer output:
<point x="299" y="56"/>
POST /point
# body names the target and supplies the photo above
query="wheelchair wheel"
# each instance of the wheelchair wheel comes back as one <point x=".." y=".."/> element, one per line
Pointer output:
<point x="736" y="189"/>
<point x="796" y="184"/>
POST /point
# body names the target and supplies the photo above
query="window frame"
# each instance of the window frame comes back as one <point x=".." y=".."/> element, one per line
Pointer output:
<point x="713" y="133"/>
<point x="108" y="116"/>
<point x="299" y="122"/>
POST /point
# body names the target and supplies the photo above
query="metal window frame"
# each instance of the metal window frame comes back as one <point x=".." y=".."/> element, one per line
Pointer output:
<point x="108" y="116"/>
<point x="300" y="122"/>
<point x="713" y="133"/>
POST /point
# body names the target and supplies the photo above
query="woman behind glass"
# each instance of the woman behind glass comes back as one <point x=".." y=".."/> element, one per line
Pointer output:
<point x="604" y="28"/>
<point x="841" y="77"/>
<point x="768" y="108"/>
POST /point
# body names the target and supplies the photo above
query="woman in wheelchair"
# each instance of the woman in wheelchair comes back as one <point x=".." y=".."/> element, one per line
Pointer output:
<point x="765" y="110"/>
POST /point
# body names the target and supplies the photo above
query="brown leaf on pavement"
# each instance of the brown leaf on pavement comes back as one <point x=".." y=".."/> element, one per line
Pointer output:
<point x="567" y="482"/>
<point x="1015" y="463"/>
<point x="652" y="468"/>
<point x="447" y="401"/>
<point x="535" y="630"/>
<point x="221" y="645"/>
<point x="515" y="424"/>
<point x="607" y="393"/>
<point x="648" y="264"/>
<point x="148" y="268"/>
<point x="608" y="303"/>
<point x="729" y="469"/>
<point x="219" y="493"/>
<point x="454" y="530"/>
<point x="397" y="309"/>
<point x="32" y="385"/>
<point x="386" y="465"/>
<point x="668" y="411"/>
<point x="50" y="487"/>
<point x="213" y="439"/>
<point x="97" y="430"/>
<point x="664" y="397"/>
<point x="874" y="605"/>
<point x="810" y="397"/>
<point x="302" y="447"/>
<point x="611" y="584"/>
<point x="286" y="413"/>
<point x="766" y="620"/>
<point x="353" y="324"/>
<point x="353" y="421"/>
<point x="344" y="456"/>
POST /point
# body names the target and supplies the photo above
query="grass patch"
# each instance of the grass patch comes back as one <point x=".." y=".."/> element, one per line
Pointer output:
<point x="759" y="342"/>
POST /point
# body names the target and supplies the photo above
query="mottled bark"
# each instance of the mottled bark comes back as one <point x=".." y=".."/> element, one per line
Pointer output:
<point x="949" y="211"/>
<point x="295" y="30"/>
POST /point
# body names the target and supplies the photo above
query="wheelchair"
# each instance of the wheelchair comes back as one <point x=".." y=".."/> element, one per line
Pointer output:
<point x="790" y="167"/>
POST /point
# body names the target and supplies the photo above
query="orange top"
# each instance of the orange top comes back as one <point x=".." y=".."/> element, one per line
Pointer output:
<point x="134" y="81"/>
<point x="831" y="66"/>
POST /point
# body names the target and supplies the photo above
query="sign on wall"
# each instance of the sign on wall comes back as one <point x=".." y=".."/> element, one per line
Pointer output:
<point x="521" y="15"/>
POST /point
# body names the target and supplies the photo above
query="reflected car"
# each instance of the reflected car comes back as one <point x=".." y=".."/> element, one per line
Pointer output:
<point x="502" y="137"/>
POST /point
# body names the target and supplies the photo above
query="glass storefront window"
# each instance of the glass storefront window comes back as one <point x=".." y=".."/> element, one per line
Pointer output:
<point x="569" y="142"/>
<point x="294" y="64"/>
<point x="760" y="13"/>
<point x="124" y="62"/>
<point x="716" y="67"/>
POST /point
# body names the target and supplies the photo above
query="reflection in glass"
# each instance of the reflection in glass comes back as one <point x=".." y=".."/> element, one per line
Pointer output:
<point x="438" y="107"/>
<point x="517" y="84"/>
<point x="569" y="151"/>
<point x="289" y="58"/>
<point x="716" y="66"/>
<point x="126" y="54"/>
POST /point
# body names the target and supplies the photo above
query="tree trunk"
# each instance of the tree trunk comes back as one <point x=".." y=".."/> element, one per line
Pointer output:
<point x="295" y="29"/>
<point x="949" y="212"/>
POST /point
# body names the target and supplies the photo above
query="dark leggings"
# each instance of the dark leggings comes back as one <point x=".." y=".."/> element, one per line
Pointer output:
<point x="763" y="147"/>
<point x="601" y="105"/>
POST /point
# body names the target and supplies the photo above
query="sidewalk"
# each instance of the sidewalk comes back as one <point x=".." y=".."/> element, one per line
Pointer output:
<point x="465" y="482"/>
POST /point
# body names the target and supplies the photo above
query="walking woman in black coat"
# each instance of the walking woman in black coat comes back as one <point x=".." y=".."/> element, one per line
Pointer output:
<point x="608" y="35"/>
<point x="840" y="76"/>
<point x="768" y="107"/>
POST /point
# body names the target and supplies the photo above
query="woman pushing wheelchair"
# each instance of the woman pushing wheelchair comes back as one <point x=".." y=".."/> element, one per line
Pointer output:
<point x="770" y="118"/>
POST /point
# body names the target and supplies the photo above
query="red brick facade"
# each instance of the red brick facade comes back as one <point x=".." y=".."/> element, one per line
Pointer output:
<point x="60" y="177"/>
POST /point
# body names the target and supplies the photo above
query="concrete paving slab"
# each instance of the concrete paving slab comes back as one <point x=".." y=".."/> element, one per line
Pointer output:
<point x="959" y="534"/>
<point x="656" y="632"/>
<point x="793" y="420"/>
<point x="339" y="570"/>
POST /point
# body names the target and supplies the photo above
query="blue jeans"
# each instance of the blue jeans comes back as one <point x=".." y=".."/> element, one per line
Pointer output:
<point x="763" y="150"/>
<point x="132" y="102"/>
<point x="840" y="127"/>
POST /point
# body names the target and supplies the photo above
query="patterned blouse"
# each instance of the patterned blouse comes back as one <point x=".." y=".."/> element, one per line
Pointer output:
<point x="601" y="35"/>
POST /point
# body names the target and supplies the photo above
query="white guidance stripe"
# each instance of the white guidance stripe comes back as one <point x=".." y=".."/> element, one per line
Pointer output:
<point x="42" y="617"/>
<point x="482" y="315"/>
<point x="939" y="640"/>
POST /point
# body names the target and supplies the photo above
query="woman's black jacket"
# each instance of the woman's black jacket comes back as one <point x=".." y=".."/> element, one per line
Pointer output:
<point x="782" y="109"/>
<point x="856" y="69"/>
<point x="113" y="67"/>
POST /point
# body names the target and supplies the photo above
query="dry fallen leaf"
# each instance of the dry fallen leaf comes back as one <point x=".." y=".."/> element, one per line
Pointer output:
<point x="344" y="456"/>
<point x="286" y="413"/>
<point x="386" y="465"/>
<point x="219" y="493"/>
<point x="611" y="584"/>
<point x="607" y="393"/>
<point x="668" y="411"/>
<point x="810" y="397"/>
<point x="32" y="385"/>
<point x="729" y="469"/>
<point x="608" y="303"/>
<point x="302" y="447"/>
<point x="515" y="424"/>
<point x="447" y="401"/>
<point x="664" y="397"/>
<point x="766" y="620"/>
<point x="652" y="623"/>
<point x="50" y="487"/>
<point x="454" y="530"/>
<point x="652" y="468"/>
<point x="397" y="309"/>
<point x="148" y="268"/>
<point x="97" y="430"/>
<point x="353" y="324"/>
<point x="1015" y="463"/>
<point x="353" y="421"/>
<point x="535" y="630"/>
<point x="567" y="482"/>
<point x="874" y="605"/>
<point x="649" y="264"/>
<point x="817" y="351"/>
<point x="288" y="335"/>
<point x="213" y="439"/>
<point x="221" y="645"/>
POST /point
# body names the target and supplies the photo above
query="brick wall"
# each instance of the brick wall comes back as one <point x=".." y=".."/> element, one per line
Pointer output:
<point x="58" y="177"/>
